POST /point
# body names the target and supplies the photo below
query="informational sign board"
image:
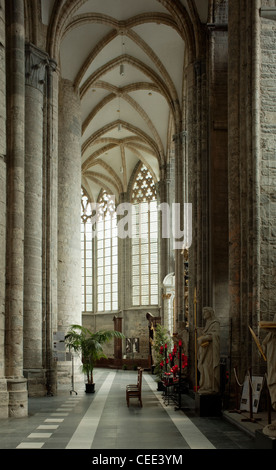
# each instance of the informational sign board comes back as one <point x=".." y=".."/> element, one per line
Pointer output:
<point x="59" y="347"/>
<point x="257" y="384"/>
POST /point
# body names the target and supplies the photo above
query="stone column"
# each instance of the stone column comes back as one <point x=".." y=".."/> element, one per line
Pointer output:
<point x="198" y="188"/>
<point x="217" y="77"/>
<point x="69" y="208"/>
<point x="245" y="231"/>
<point x="180" y="141"/>
<point x="198" y="195"/>
<point x="18" y="397"/>
<point x="165" y="242"/>
<point x="50" y="231"/>
<point x="164" y="261"/>
<point x="36" y="62"/>
<point x="124" y="281"/>
<point x="124" y="250"/>
<point x="3" y="153"/>
<point x="201" y="203"/>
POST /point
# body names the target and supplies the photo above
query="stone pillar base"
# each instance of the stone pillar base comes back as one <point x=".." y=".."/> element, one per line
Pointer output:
<point x="52" y="381"/>
<point x="208" y="404"/>
<point x="36" y="379"/>
<point x="4" y="399"/>
<point x="18" y="397"/>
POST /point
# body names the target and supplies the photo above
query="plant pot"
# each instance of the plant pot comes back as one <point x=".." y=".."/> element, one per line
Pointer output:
<point x="90" y="388"/>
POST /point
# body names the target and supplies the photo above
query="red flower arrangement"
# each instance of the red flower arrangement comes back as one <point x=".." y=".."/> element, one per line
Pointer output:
<point x="174" y="369"/>
<point x="169" y="358"/>
<point x="184" y="361"/>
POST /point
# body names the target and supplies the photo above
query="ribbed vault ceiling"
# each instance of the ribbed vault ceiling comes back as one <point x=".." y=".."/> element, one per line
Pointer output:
<point x="127" y="59"/>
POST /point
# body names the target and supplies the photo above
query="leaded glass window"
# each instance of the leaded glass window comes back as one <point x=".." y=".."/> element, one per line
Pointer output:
<point x="145" y="273"/>
<point x="107" y="254"/>
<point x="86" y="253"/>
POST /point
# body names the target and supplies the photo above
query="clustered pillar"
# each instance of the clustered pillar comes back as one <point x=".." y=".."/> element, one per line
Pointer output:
<point x="179" y="264"/>
<point x="16" y="383"/>
<point x="69" y="209"/>
<point x="40" y="175"/>
<point x="3" y="163"/>
<point x="33" y="361"/>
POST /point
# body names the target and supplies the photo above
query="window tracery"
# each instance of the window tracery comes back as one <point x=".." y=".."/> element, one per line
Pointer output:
<point x="144" y="189"/>
<point x="145" y="286"/>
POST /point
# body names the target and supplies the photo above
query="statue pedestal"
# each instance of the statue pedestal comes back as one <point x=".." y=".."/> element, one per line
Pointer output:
<point x="263" y="441"/>
<point x="208" y="404"/>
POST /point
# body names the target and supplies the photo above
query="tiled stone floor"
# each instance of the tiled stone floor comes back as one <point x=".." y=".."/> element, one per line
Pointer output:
<point x="103" y="421"/>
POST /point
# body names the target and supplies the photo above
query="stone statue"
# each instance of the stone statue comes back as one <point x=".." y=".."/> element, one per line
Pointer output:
<point x="209" y="353"/>
<point x="269" y="348"/>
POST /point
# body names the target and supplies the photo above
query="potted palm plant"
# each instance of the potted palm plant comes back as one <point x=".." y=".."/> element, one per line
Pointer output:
<point x="90" y="347"/>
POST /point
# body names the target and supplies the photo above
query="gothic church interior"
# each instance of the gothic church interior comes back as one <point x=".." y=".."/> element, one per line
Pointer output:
<point x="158" y="116"/>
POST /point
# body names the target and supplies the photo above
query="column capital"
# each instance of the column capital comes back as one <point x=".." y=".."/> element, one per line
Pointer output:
<point x="36" y="63"/>
<point x="180" y="137"/>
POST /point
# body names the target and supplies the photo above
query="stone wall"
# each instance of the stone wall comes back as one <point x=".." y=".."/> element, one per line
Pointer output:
<point x="268" y="166"/>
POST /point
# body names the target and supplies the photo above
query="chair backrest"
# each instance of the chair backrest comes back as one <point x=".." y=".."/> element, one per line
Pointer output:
<point x="140" y="378"/>
<point x="138" y="375"/>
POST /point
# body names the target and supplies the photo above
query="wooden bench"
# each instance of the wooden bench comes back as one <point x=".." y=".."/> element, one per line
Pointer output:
<point x="135" y="390"/>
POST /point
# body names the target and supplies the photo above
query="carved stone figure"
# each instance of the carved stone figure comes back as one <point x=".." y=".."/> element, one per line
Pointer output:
<point x="269" y="348"/>
<point x="209" y="353"/>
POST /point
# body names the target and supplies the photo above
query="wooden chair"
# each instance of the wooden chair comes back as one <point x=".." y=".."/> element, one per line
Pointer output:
<point x="135" y="390"/>
<point x="138" y="379"/>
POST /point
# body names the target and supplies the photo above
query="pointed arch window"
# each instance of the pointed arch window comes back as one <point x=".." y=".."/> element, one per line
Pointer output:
<point x="145" y="285"/>
<point x="86" y="253"/>
<point x="107" y="254"/>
